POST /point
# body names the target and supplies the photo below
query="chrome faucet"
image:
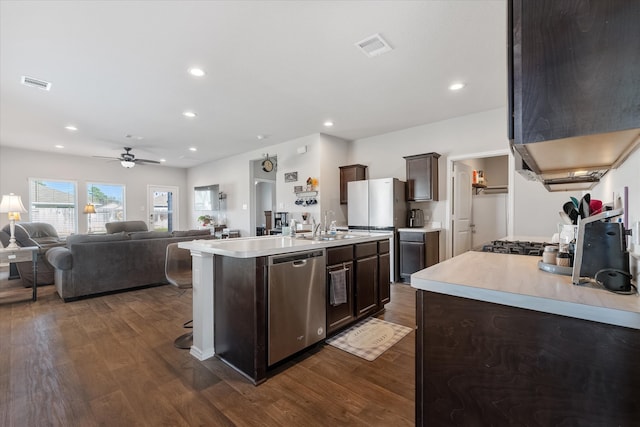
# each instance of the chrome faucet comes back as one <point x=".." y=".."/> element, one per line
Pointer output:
<point x="292" y="228"/>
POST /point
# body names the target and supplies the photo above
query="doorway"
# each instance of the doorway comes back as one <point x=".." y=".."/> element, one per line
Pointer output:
<point x="490" y="202"/>
<point x="262" y="191"/>
<point x="163" y="208"/>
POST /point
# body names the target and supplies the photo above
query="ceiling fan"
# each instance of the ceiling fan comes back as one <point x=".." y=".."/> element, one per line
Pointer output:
<point x="128" y="160"/>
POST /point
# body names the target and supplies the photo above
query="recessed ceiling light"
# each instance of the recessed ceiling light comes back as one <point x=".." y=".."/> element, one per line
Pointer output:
<point x="262" y="136"/>
<point x="196" y="72"/>
<point x="189" y="114"/>
<point x="59" y="146"/>
<point x="456" y="86"/>
<point x="71" y="128"/>
<point x="163" y="160"/>
<point x="328" y="123"/>
<point x="193" y="149"/>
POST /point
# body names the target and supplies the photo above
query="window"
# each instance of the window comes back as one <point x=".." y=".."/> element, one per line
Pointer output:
<point x="54" y="202"/>
<point x="108" y="200"/>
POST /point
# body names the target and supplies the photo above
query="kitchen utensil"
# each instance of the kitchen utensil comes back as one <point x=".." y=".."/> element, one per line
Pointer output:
<point x="595" y="207"/>
<point x="565" y="218"/>
<point x="584" y="206"/>
<point x="575" y="202"/>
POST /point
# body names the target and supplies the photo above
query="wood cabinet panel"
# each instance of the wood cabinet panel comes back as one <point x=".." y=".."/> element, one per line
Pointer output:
<point x="343" y="314"/>
<point x="384" y="281"/>
<point x="347" y="174"/>
<point x="573" y="68"/>
<point x="479" y="362"/>
<point x="422" y="177"/>
<point x="366" y="285"/>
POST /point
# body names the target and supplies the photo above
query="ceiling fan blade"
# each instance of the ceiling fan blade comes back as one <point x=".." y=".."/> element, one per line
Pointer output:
<point x="104" y="157"/>
<point x="146" y="161"/>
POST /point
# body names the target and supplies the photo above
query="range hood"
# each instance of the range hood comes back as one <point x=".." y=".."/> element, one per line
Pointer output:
<point x="576" y="163"/>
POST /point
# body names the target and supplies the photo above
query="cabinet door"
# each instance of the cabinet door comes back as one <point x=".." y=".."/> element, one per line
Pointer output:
<point x="422" y="177"/>
<point x="366" y="285"/>
<point x="384" y="281"/>
<point x="573" y="68"/>
<point x="412" y="258"/>
<point x="348" y="174"/>
<point x="343" y="314"/>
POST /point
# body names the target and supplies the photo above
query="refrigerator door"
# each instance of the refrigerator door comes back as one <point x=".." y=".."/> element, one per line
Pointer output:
<point x="381" y="202"/>
<point x="358" y="205"/>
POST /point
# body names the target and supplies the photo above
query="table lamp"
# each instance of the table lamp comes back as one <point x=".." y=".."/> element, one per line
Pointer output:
<point x="89" y="208"/>
<point x="12" y="206"/>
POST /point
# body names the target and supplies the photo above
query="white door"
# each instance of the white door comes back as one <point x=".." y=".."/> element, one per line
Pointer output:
<point x="163" y="208"/>
<point x="461" y="210"/>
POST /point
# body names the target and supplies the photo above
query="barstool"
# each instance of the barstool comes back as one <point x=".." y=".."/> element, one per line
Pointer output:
<point x="177" y="269"/>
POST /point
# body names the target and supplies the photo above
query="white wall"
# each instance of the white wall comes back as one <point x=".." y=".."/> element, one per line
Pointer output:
<point x="535" y="209"/>
<point x="323" y="155"/>
<point x="628" y="174"/>
<point x="17" y="166"/>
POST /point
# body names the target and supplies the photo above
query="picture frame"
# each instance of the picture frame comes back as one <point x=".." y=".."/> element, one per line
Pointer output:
<point x="290" y="176"/>
<point x="297" y="189"/>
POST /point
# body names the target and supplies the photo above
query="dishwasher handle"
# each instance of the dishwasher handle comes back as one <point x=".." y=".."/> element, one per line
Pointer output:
<point x="300" y="263"/>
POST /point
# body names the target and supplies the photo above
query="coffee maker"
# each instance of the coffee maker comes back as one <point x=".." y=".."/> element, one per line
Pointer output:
<point x="601" y="253"/>
<point x="416" y="218"/>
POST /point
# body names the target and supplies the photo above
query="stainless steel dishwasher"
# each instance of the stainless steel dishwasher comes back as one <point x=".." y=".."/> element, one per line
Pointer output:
<point x="297" y="314"/>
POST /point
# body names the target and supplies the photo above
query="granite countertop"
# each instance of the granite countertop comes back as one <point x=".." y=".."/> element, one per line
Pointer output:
<point x="516" y="280"/>
<point x="251" y="247"/>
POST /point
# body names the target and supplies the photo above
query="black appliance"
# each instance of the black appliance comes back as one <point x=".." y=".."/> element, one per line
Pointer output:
<point x="416" y="218"/>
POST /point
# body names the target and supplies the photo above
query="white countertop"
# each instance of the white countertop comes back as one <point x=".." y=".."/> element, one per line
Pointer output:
<point x="251" y="247"/>
<point x="428" y="228"/>
<point x="516" y="281"/>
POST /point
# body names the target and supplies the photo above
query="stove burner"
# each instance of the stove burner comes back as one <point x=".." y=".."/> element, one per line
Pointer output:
<point x="515" y="247"/>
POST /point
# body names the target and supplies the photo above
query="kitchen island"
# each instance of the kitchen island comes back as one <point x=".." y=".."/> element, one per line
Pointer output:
<point x="230" y="292"/>
<point x="500" y="342"/>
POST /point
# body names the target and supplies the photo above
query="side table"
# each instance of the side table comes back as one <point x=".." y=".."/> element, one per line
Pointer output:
<point x="28" y="253"/>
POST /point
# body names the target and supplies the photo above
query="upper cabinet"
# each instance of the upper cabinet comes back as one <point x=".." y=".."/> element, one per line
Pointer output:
<point x="347" y="174"/>
<point x="422" y="177"/>
<point x="573" y="69"/>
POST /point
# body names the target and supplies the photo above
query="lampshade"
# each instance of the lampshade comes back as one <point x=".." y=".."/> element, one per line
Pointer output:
<point x="11" y="203"/>
<point x="127" y="164"/>
<point x="89" y="209"/>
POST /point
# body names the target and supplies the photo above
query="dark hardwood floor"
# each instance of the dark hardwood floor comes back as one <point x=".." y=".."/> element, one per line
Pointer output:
<point x="110" y="361"/>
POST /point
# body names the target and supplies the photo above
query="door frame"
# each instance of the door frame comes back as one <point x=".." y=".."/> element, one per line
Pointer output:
<point x="176" y="203"/>
<point x="510" y="198"/>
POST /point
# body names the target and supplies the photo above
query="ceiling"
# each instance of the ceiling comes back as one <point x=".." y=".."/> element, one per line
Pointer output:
<point x="280" y="69"/>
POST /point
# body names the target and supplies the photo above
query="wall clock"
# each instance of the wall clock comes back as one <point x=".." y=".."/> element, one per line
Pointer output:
<point x="267" y="165"/>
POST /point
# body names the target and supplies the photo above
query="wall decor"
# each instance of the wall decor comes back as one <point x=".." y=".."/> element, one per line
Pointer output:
<point x="290" y="176"/>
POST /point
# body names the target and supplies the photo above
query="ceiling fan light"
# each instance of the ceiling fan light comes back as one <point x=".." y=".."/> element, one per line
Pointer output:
<point x="127" y="164"/>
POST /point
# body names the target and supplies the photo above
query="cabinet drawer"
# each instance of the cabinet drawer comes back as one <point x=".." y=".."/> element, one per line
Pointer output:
<point x="410" y="236"/>
<point x="339" y="255"/>
<point x="383" y="246"/>
<point x="366" y="249"/>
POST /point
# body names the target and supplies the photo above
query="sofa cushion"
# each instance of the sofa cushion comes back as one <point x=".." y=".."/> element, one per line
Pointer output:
<point x="138" y="235"/>
<point x="89" y="238"/>
<point x="187" y="233"/>
<point x="127" y="226"/>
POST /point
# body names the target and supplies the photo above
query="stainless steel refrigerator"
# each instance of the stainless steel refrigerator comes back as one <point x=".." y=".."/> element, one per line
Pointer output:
<point x="378" y="205"/>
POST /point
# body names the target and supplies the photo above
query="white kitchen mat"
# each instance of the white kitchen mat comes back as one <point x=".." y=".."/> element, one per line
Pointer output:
<point x="370" y="338"/>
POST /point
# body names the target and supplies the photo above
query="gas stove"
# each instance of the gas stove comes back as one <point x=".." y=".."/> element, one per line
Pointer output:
<point x="514" y="247"/>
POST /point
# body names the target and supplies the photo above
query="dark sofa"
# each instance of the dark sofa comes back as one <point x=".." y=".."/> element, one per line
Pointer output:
<point x="39" y="234"/>
<point x="96" y="264"/>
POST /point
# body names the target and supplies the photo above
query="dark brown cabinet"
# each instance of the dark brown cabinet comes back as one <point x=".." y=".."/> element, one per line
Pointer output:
<point x="573" y="68"/>
<point x="418" y="250"/>
<point x="347" y="174"/>
<point x="422" y="177"/>
<point x="384" y="272"/>
<point x="366" y="264"/>
<point x="340" y="315"/>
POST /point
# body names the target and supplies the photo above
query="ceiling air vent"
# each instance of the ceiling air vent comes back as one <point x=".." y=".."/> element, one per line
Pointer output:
<point x="40" y="84"/>
<point x="373" y="46"/>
